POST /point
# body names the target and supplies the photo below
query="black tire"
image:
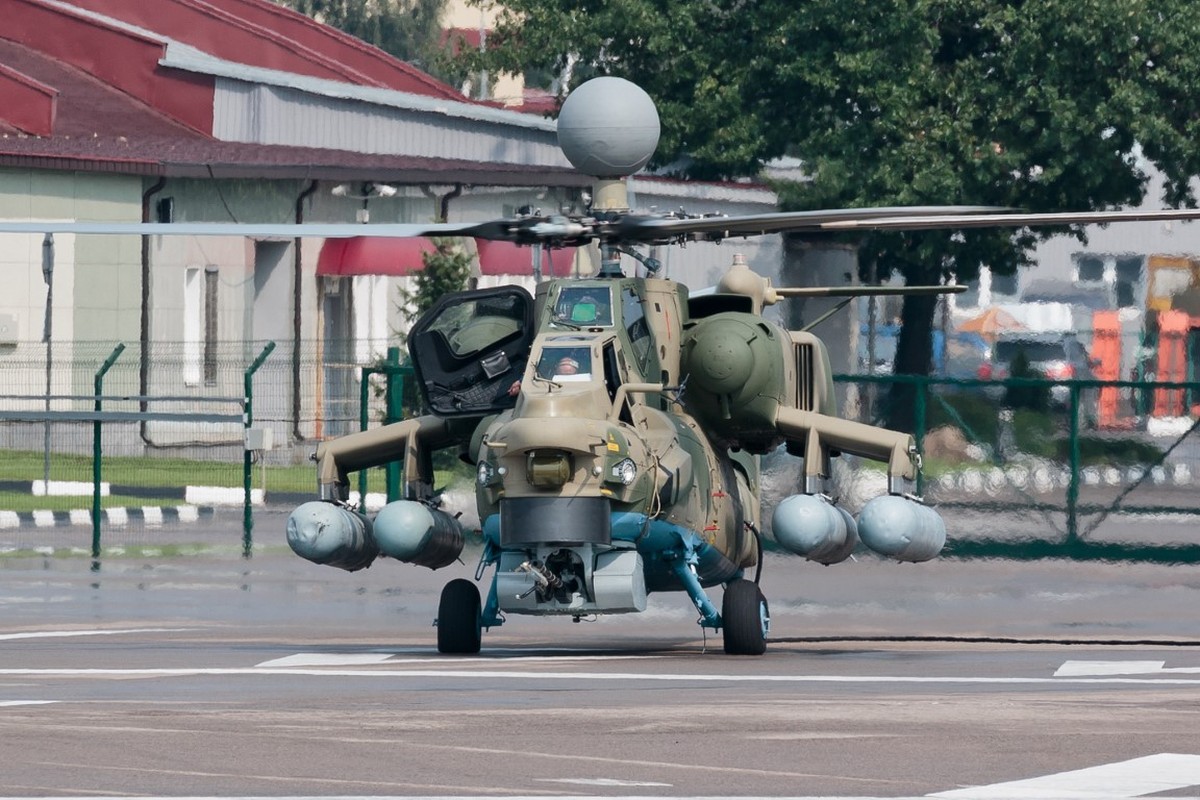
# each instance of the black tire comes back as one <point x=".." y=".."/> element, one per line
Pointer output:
<point x="458" y="620"/>
<point x="745" y="619"/>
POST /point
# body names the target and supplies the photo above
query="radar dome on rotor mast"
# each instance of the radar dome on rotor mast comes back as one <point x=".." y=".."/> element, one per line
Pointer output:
<point x="608" y="127"/>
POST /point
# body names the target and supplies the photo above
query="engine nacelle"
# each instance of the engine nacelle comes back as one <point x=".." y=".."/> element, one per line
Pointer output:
<point x="902" y="529"/>
<point x="734" y="366"/>
<point x="325" y="533"/>
<point x="415" y="533"/>
<point x="810" y="526"/>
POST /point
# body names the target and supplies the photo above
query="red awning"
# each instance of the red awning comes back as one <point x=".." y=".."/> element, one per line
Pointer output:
<point x="506" y="258"/>
<point x="374" y="255"/>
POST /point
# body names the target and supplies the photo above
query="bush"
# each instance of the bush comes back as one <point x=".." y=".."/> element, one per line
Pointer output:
<point x="1104" y="452"/>
<point x="972" y="410"/>
<point x="1035" y="433"/>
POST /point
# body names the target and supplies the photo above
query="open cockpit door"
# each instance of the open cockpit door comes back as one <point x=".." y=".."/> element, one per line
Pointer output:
<point x="469" y="349"/>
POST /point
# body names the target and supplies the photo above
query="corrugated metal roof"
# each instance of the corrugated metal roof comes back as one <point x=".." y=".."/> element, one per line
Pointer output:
<point x="183" y="57"/>
<point x="272" y="114"/>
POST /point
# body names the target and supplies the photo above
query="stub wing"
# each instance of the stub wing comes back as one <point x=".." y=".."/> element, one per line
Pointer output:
<point x="819" y="433"/>
<point x="410" y="441"/>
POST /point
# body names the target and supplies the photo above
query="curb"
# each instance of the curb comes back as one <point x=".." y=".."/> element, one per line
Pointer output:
<point x="148" y="516"/>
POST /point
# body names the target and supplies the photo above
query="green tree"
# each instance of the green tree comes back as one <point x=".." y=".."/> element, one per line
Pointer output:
<point x="1047" y="105"/>
<point x="447" y="268"/>
<point x="411" y="30"/>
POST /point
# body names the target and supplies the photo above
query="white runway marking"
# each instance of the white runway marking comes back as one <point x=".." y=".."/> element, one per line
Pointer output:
<point x="520" y="675"/>
<point x="1164" y="772"/>
<point x="600" y="782"/>
<point x="101" y="632"/>
<point x="1076" y="669"/>
<point x="353" y="659"/>
<point x="327" y="660"/>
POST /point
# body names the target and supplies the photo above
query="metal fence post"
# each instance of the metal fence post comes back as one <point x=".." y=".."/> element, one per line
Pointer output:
<point x="1073" y="459"/>
<point x="364" y="422"/>
<point x="97" y="430"/>
<point x="394" y="412"/>
<point x="247" y="421"/>
<point x="922" y="387"/>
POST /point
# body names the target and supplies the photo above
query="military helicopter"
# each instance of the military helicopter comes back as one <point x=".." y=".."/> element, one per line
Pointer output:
<point x="616" y="423"/>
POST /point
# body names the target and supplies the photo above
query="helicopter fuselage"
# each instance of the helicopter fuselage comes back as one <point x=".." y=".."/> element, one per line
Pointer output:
<point x="615" y="426"/>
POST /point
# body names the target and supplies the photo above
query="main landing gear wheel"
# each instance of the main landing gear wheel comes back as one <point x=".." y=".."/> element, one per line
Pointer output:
<point x="458" y="621"/>
<point x="745" y="619"/>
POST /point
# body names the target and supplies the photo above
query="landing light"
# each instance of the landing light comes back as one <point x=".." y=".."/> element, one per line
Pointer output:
<point x="625" y="471"/>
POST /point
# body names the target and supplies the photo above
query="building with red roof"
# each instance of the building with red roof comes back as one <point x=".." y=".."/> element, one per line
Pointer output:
<point x="242" y="111"/>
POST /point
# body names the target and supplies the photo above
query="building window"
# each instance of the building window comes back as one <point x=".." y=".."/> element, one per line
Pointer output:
<point x="210" y="326"/>
<point x="193" y="308"/>
<point x="1089" y="269"/>
<point x="1130" y="280"/>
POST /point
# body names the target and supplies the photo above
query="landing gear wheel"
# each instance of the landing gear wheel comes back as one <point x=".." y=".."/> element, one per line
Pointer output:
<point x="458" y="620"/>
<point x="745" y="619"/>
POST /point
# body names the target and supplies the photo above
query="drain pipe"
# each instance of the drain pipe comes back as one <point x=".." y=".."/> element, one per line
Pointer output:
<point x="443" y="200"/>
<point x="144" y="332"/>
<point x="298" y="312"/>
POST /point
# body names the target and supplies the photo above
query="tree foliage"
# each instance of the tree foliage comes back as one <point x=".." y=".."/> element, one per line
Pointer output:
<point x="411" y="30"/>
<point x="447" y="268"/>
<point x="1040" y="105"/>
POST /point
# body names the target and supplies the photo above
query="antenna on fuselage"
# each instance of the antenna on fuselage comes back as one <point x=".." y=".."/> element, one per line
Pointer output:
<point x="609" y="128"/>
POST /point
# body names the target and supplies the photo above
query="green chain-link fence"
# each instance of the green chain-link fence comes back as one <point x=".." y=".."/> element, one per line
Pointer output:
<point x="1039" y="468"/>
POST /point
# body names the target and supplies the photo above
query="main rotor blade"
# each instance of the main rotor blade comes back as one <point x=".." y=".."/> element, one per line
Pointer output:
<point x="631" y="228"/>
<point x="1007" y="220"/>
<point x="865" y="291"/>
<point x="332" y="230"/>
<point x="640" y="227"/>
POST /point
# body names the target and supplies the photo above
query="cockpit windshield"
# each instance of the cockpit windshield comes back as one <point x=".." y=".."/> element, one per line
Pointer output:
<point x="565" y="364"/>
<point x="584" y="307"/>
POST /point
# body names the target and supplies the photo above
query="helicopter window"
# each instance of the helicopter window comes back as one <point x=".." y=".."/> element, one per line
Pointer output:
<point x="635" y="325"/>
<point x="565" y="364"/>
<point x="612" y="371"/>
<point x="474" y="326"/>
<point x="587" y="306"/>
<point x="468" y="350"/>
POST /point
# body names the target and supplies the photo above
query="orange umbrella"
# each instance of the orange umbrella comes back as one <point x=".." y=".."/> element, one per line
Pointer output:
<point x="990" y="323"/>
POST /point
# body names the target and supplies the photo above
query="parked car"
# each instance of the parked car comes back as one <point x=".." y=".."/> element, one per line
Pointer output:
<point x="1055" y="356"/>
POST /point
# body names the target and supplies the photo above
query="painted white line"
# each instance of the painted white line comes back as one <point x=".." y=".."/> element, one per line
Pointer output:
<point x="14" y="703"/>
<point x="496" y="796"/>
<point x="1165" y="772"/>
<point x="601" y="782"/>
<point x="327" y="660"/>
<point x="353" y="659"/>
<point x="591" y="677"/>
<point x="1078" y="669"/>
<point x="64" y="634"/>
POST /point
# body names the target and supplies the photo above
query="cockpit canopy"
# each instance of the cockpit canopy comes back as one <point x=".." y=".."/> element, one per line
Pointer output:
<point x="469" y="349"/>
<point x="584" y="307"/>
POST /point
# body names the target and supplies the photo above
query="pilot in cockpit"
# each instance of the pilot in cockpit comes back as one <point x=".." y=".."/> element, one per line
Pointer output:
<point x="586" y="307"/>
<point x="565" y="364"/>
